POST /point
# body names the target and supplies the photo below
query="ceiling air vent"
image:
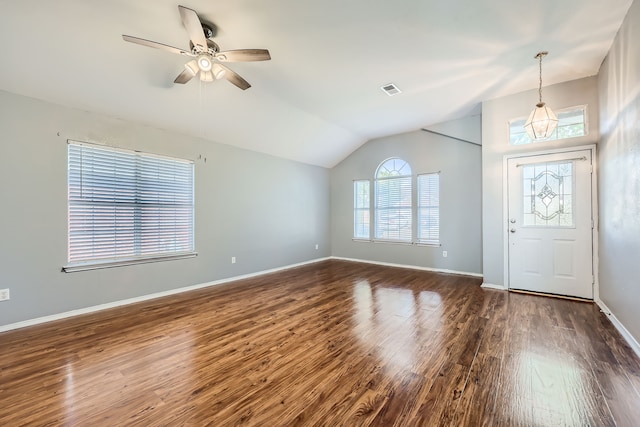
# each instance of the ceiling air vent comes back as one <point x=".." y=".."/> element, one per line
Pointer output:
<point x="391" y="89"/>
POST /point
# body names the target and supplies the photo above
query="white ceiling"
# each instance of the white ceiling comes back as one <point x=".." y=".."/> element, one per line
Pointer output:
<point x="319" y="97"/>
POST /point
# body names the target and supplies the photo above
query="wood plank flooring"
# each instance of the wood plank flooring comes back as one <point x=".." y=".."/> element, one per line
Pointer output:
<point x="330" y="344"/>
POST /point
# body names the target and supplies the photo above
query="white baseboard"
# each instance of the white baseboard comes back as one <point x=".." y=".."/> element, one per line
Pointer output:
<point x="633" y="343"/>
<point x="412" y="267"/>
<point x="93" y="309"/>
<point x="492" y="286"/>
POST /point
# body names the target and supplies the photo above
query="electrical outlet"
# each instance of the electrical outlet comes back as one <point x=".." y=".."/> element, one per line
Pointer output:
<point x="233" y="260"/>
<point x="316" y="246"/>
<point x="4" y="294"/>
<point x="444" y="254"/>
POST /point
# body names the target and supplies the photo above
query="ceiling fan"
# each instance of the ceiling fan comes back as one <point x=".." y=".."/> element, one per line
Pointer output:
<point x="207" y="57"/>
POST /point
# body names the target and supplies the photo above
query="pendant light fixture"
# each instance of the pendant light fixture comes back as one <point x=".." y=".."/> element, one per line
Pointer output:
<point x="542" y="121"/>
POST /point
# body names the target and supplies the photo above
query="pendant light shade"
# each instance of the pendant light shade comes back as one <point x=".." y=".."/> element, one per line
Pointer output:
<point x="542" y="121"/>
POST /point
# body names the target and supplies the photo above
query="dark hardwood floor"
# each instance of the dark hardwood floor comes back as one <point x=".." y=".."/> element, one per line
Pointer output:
<point x="329" y="344"/>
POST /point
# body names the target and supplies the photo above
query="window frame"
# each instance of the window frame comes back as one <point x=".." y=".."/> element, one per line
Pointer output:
<point x="415" y="208"/>
<point x="134" y="190"/>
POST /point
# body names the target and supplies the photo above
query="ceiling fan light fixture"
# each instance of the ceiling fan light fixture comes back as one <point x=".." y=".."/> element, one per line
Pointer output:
<point x="206" y="76"/>
<point x="205" y="63"/>
<point x="542" y="121"/>
<point x="218" y="71"/>
<point x="192" y="66"/>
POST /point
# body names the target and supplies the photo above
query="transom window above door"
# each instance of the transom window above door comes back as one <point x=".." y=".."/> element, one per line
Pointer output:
<point x="572" y="123"/>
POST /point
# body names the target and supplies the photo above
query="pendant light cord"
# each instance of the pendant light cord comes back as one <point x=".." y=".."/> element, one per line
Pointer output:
<point x="539" y="56"/>
<point x="540" y="85"/>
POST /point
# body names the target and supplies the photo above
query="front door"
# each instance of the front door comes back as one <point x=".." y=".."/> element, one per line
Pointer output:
<point x="550" y="223"/>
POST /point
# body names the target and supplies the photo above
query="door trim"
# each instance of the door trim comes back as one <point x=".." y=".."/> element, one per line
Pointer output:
<point x="594" y="209"/>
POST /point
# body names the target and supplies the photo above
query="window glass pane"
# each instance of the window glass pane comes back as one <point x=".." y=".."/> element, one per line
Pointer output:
<point x="548" y="194"/>
<point x="393" y="167"/>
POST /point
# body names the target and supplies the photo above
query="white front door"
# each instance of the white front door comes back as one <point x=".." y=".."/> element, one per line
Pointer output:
<point x="550" y="223"/>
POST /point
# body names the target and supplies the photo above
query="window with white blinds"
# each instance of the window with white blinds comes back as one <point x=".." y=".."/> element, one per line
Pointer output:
<point x="393" y="215"/>
<point x="361" y="208"/>
<point x="429" y="208"/>
<point x="126" y="206"/>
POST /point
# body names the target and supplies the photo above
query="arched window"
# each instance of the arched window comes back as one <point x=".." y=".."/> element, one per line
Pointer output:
<point x="393" y="213"/>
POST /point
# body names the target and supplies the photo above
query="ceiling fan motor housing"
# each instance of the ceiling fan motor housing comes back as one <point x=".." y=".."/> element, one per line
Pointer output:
<point x="208" y="31"/>
<point x="213" y="46"/>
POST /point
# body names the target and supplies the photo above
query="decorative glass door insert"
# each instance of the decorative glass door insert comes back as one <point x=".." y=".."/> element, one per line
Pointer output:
<point x="548" y="194"/>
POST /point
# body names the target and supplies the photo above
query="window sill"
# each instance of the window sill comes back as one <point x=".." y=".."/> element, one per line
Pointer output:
<point x="434" y="245"/>
<point x="110" y="264"/>
<point x="395" y="242"/>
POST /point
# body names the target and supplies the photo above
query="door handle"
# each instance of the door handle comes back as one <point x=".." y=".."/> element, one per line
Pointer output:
<point x="513" y="230"/>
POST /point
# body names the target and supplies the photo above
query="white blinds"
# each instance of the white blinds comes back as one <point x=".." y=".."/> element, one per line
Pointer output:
<point x="429" y="208"/>
<point x="127" y="205"/>
<point x="361" y="226"/>
<point x="393" y="209"/>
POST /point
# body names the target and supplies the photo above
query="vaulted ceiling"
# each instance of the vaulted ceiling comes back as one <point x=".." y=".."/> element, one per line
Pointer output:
<point x="319" y="98"/>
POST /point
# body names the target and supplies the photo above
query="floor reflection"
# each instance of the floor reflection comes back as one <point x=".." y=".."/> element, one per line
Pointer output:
<point x="395" y="324"/>
<point x="110" y="375"/>
<point x="547" y="387"/>
<point x="69" y="393"/>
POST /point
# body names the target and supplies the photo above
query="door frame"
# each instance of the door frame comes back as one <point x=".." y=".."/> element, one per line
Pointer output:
<point x="594" y="209"/>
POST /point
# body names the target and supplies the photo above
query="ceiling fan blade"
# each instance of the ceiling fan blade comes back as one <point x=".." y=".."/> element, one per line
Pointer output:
<point x="184" y="76"/>
<point x="193" y="25"/>
<point x="156" y="45"/>
<point x="235" y="78"/>
<point x="243" y="55"/>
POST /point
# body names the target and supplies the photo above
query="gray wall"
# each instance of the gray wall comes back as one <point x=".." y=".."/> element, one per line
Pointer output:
<point x="496" y="114"/>
<point x="619" y="178"/>
<point x="467" y="128"/>
<point x="265" y="211"/>
<point x="460" y="193"/>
